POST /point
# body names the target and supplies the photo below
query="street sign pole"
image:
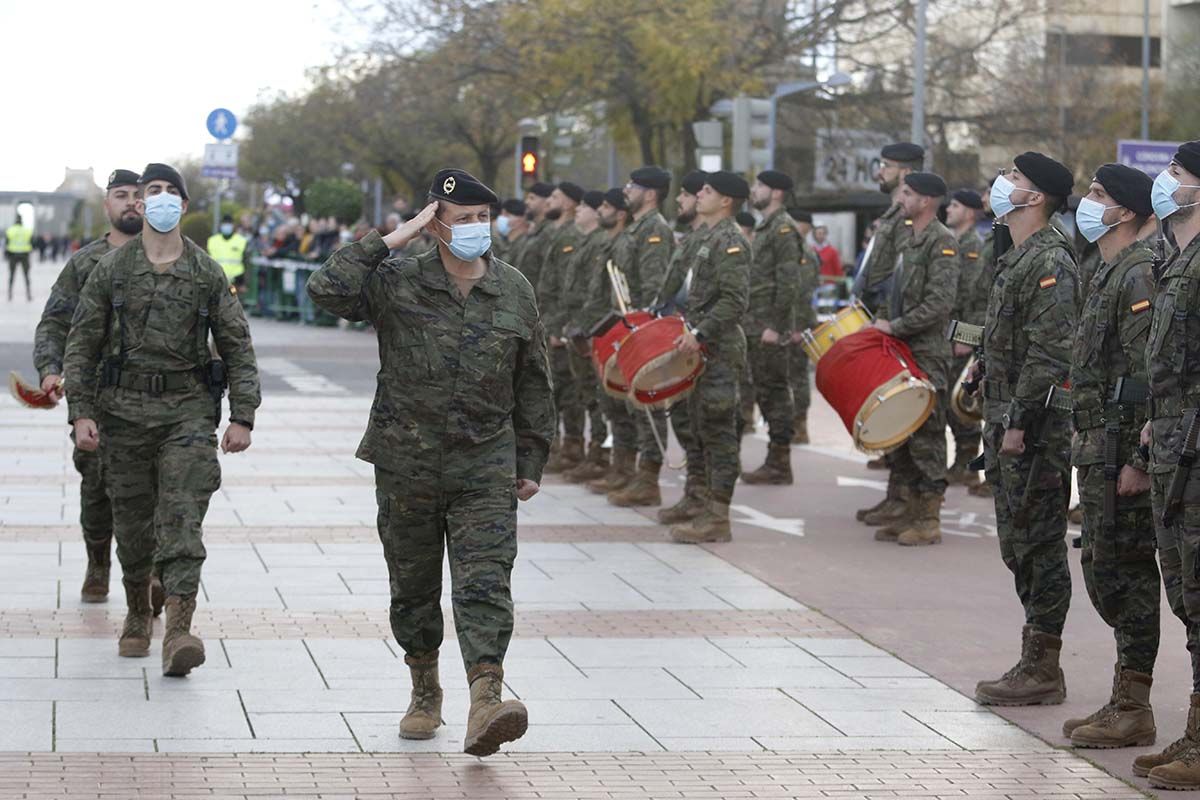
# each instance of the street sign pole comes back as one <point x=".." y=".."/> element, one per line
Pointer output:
<point x="221" y="157"/>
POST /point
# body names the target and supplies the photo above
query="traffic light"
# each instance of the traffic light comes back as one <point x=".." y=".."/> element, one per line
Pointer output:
<point x="752" y="129"/>
<point x="530" y="161"/>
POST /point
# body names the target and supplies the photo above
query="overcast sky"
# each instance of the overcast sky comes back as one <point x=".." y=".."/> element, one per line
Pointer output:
<point x="119" y="83"/>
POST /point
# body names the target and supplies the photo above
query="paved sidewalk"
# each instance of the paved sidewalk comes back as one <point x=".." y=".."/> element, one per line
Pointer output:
<point x="649" y="669"/>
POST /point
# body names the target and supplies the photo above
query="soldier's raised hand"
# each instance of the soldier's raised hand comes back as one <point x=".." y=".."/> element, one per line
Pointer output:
<point x="408" y="230"/>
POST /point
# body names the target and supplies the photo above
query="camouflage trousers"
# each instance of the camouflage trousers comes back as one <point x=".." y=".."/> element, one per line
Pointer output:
<point x="1179" y="558"/>
<point x="1036" y="554"/>
<point x="587" y="386"/>
<point x="921" y="461"/>
<point x="799" y="379"/>
<point x="648" y="450"/>
<point x="680" y="416"/>
<point x="967" y="435"/>
<point x="621" y="419"/>
<point x="769" y="373"/>
<point x="566" y="393"/>
<point x="478" y="528"/>
<point x="713" y="408"/>
<point x="160" y="479"/>
<point x="95" y="510"/>
<point x="1120" y="571"/>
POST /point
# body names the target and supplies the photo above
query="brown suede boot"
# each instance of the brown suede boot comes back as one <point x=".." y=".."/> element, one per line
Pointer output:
<point x="896" y="513"/>
<point x="710" y="526"/>
<point x="158" y="596"/>
<point x="642" y="490"/>
<point x="1070" y="725"/>
<point x="1190" y="741"/>
<point x="1035" y="680"/>
<point x="572" y="453"/>
<point x="182" y="652"/>
<point x="800" y="428"/>
<point x="424" y="715"/>
<point x="1129" y="721"/>
<point x="95" y="579"/>
<point x="776" y="470"/>
<point x="690" y="506"/>
<point x="490" y="722"/>
<point x="135" y="635"/>
<point x="926" y="525"/>
<point x="893" y="494"/>
<point x="593" y="467"/>
<point x="620" y="472"/>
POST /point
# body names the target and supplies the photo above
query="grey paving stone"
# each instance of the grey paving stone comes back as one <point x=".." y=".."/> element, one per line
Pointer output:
<point x="592" y="652"/>
<point x="721" y="718"/>
<point x="214" y="716"/>
<point x="699" y="744"/>
<point x="823" y="744"/>
<point x="872" y="667"/>
<point x="875" y="723"/>
<point x="859" y="699"/>
<point x="599" y="684"/>
<point x="26" y="648"/>
<point x="26" y="725"/>
<point x="26" y="667"/>
<point x="345" y="744"/>
<point x="119" y="689"/>
<point x="104" y="745"/>
<point x="701" y="678"/>
<point x="298" y="726"/>
<point x="819" y="646"/>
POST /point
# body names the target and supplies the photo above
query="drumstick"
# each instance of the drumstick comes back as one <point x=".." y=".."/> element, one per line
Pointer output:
<point x="620" y="288"/>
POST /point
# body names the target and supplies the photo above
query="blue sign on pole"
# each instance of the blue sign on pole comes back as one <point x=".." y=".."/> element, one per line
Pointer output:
<point x="1150" y="157"/>
<point x="222" y="123"/>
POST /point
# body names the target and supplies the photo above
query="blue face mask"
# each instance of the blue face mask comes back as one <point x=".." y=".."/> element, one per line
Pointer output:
<point x="1001" y="196"/>
<point x="1089" y="218"/>
<point x="163" y="211"/>
<point x="471" y="240"/>
<point x="227" y="228"/>
<point x="503" y="225"/>
<point x="1162" y="196"/>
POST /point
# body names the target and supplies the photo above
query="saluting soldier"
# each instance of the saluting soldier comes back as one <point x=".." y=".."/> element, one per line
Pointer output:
<point x="459" y="432"/>
<point x="1034" y="299"/>
<point x="1108" y="395"/>
<point x="962" y="215"/>
<point x="144" y="388"/>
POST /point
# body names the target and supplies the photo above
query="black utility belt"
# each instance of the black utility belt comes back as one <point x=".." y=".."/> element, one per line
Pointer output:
<point x="155" y="383"/>
<point x="1085" y="419"/>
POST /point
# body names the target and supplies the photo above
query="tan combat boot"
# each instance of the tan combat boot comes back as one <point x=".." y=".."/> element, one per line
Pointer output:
<point x="490" y="722"/>
<point x="1070" y="725"/>
<point x="642" y="490"/>
<point x="620" y="472"/>
<point x="690" y="506"/>
<point x="800" y="428"/>
<point x="962" y="462"/>
<point x="572" y="453"/>
<point x="1129" y="721"/>
<point x="135" y="635"/>
<point x="182" y="652"/>
<point x="593" y="467"/>
<point x="424" y="715"/>
<point x="892" y="510"/>
<point x="710" y="526"/>
<point x="893" y="490"/>
<point x="158" y="596"/>
<point x="95" y="579"/>
<point x="1144" y="765"/>
<point x="926" y="526"/>
<point x="776" y="470"/>
<point x="1035" y="680"/>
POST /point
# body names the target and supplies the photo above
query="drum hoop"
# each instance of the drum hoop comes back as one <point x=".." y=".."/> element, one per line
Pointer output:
<point x="671" y="395"/>
<point x="888" y="390"/>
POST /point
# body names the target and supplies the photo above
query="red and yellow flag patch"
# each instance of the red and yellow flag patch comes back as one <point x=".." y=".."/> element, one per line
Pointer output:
<point x="946" y="251"/>
<point x="1046" y="283"/>
<point x="1139" y="306"/>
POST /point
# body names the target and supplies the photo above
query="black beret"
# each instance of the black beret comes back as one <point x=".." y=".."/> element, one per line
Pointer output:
<point x="798" y="214"/>
<point x="571" y="190"/>
<point x="593" y="198"/>
<point x="616" y="199"/>
<point x="1188" y="157"/>
<point x="461" y="188"/>
<point x="164" y="172"/>
<point x="903" y="151"/>
<point x="926" y="183"/>
<point x="969" y="198"/>
<point x="651" y="177"/>
<point x="514" y="206"/>
<point x="1046" y="174"/>
<point x="227" y="218"/>
<point x="729" y="184"/>
<point x="122" y="177"/>
<point x="541" y="189"/>
<point x="1128" y="186"/>
<point x="693" y="182"/>
<point x="776" y="180"/>
<point x="745" y="219"/>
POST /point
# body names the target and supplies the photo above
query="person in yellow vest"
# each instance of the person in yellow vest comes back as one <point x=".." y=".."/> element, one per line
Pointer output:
<point x="227" y="248"/>
<point x="18" y="244"/>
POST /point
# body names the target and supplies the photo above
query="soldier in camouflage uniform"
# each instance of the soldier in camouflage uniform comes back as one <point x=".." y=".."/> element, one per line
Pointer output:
<point x="49" y="345"/>
<point x="144" y="388"/>
<point x="459" y="432"/>
<point x="1118" y="553"/>
<point x="806" y="318"/>
<point x="1173" y="370"/>
<point x="872" y="285"/>
<point x="1034" y="299"/>
<point x="924" y="286"/>
<point x="961" y="216"/>
<point x="774" y="280"/>
<point x="530" y="254"/>
<point x="509" y="229"/>
<point x="717" y="300"/>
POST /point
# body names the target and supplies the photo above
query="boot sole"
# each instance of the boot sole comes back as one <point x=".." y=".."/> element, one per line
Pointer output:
<point x="938" y="540"/>
<point x="86" y="597"/>
<point x="1142" y="773"/>
<point x="1144" y="741"/>
<point x="1159" y="783"/>
<point x="133" y="651"/>
<point x="770" y="482"/>
<point x="185" y="659"/>
<point x="506" y="726"/>
<point x="420" y="735"/>
<point x="638" y="504"/>
<point x="1049" y="700"/>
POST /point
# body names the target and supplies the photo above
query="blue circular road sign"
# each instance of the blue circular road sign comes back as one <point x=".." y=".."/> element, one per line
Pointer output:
<point x="221" y="123"/>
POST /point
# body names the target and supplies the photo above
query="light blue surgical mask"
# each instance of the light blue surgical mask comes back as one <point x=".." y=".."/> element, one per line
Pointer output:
<point x="1089" y="218"/>
<point x="1162" y="195"/>
<point x="471" y="239"/>
<point x="227" y="228"/>
<point x="503" y="225"/>
<point x="163" y="211"/>
<point x="1001" y="196"/>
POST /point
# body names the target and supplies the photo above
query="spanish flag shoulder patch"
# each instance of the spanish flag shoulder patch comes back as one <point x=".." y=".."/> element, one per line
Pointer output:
<point x="786" y="229"/>
<point x="971" y="254"/>
<point x="733" y="250"/>
<point x="1046" y="283"/>
<point x="569" y="248"/>
<point x="908" y="222"/>
<point x="233" y="290"/>
<point x="654" y="239"/>
<point x="1139" y="306"/>
<point x="946" y="251"/>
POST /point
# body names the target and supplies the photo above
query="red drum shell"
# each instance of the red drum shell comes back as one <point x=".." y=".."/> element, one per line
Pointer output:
<point x="605" y="346"/>
<point x="655" y="371"/>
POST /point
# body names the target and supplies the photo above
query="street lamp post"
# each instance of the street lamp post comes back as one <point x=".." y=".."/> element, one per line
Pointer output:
<point x="786" y="89"/>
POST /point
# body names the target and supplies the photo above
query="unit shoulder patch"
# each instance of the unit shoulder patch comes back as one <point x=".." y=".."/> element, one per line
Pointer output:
<point x="569" y="248"/>
<point x="1046" y="283"/>
<point x="654" y="239"/>
<point x="948" y="251"/>
<point x="972" y="254"/>
<point x="733" y="250"/>
<point x="786" y="229"/>
<point x="1139" y="306"/>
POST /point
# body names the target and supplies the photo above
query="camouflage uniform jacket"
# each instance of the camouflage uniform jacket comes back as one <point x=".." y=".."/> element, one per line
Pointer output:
<point x="974" y="309"/>
<point x="774" y="276"/>
<point x="562" y="250"/>
<point x="464" y="385"/>
<point x="1110" y="343"/>
<point x="50" y="340"/>
<point x="924" y="287"/>
<point x="970" y="247"/>
<point x="1031" y="312"/>
<point x="164" y="325"/>
<point x="642" y="252"/>
<point x="589" y="261"/>
<point x="533" y="251"/>
<point x="682" y="260"/>
<point x="809" y="277"/>
<point x="894" y="230"/>
<point x="1173" y="355"/>
<point x="600" y="300"/>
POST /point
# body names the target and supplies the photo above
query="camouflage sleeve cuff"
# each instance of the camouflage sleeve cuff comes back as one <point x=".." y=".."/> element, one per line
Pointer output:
<point x="79" y="409"/>
<point x="1136" y="461"/>
<point x="373" y="246"/>
<point x="899" y="330"/>
<point x="49" y="369"/>
<point x="1020" y="415"/>
<point x="529" y="468"/>
<point x="242" y="416"/>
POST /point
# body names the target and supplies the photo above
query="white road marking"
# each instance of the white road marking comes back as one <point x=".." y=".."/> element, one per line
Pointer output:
<point x="865" y="483"/>
<point x="298" y="378"/>
<point x="759" y="519"/>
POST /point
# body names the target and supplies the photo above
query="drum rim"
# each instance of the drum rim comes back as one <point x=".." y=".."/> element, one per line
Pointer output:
<point x="810" y="337"/>
<point x="884" y="392"/>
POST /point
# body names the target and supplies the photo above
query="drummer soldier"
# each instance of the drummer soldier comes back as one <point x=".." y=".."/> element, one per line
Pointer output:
<point x="774" y="283"/>
<point x="923" y="290"/>
<point x="1118" y="536"/>
<point x="961" y="217"/>
<point x="717" y="299"/>
<point x="806" y="317"/>
<point x="1034" y="298"/>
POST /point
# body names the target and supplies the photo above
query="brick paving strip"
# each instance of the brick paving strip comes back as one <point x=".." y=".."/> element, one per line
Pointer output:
<point x="349" y="534"/>
<point x="1056" y="775"/>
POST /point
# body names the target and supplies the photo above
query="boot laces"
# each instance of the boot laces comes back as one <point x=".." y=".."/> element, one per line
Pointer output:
<point x="136" y="626"/>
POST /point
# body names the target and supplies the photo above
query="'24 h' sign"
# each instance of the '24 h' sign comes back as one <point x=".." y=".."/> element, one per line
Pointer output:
<point x="847" y="160"/>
